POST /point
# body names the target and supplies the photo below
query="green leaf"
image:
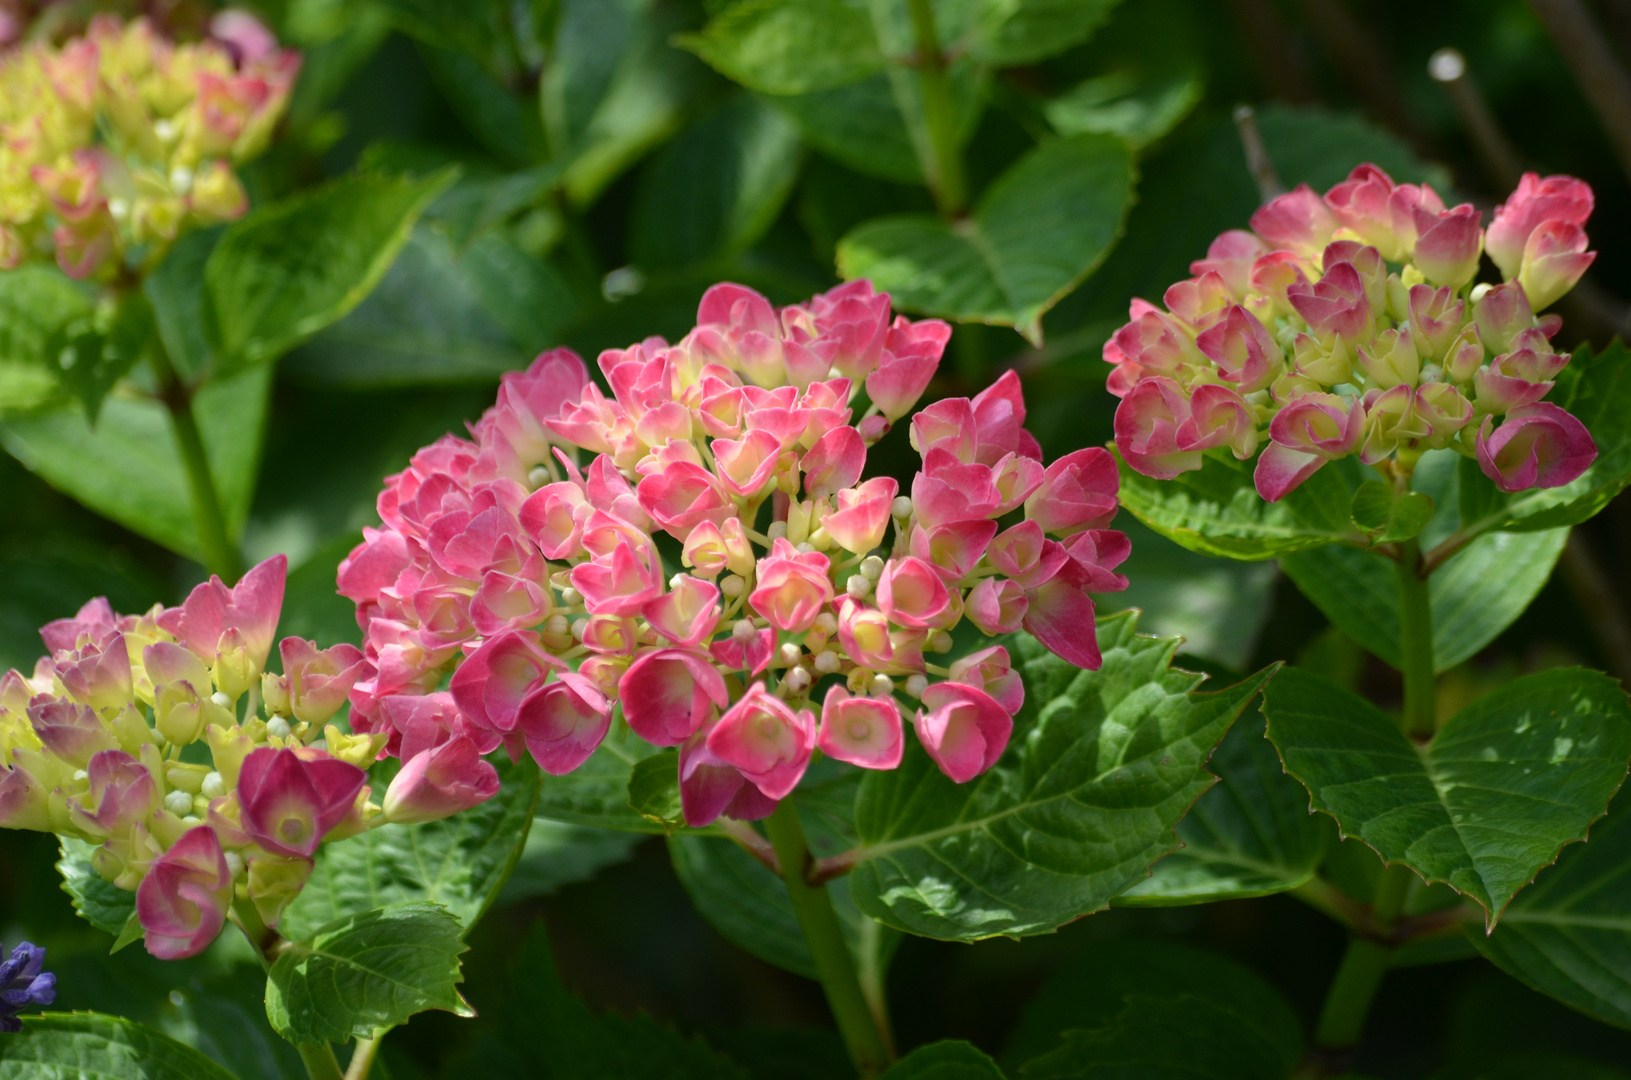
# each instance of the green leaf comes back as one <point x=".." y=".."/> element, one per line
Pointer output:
<point x="1091" y="988"/>
<point x="592" y="37"/>
<point x="1251" y="835"/>
<point x="175" y="288"/>
<point x="1505" y="784"/>
<point x="1477" y="594"/>
<point x="366" y="972"/>
<point x="97" y="900"/>
<point x="1216" y="510"/>
<point x="749" y="906"/>
<point x="1036" y="232"/>
<point x="37" y="304"/>
<point x="544" y="1033"/>
<point x="506" y="124"/>
<point x="93" y="353"/>
<point x="1596" y="389"/>
<point x="132" y="933"/>
<point x="950" y="1059"/>
<point x="1387" y="516"/>
<point x="1316" y="146"/>
<point x="713" y="192"/>
<point x="441" y="316"/>
<point x="1218" y="606"/>
<point x="556" y="855"/>
<point x="460" y="862"/>
<point x="1167" y="1038"/>
<point x="128" y="468"/>
<point x="789" y="46"/>
<point x="1101" y="766"/>
<point x="73" y="1046"/>
<point x="597" y="792"/>
<point x="1019" y="32"/>
<point x="1569" y="934"/>
<point x="1138" y="109"/>
<point x="865" y="127"/>
<point x="654" y="790"/>
<point x="290" y="269"/>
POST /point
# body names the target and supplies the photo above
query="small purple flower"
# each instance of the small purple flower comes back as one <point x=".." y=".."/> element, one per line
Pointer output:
<point x="22" y="984"/>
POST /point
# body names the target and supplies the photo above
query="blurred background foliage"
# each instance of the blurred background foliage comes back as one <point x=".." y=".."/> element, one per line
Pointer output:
<point x="608" y="175"/>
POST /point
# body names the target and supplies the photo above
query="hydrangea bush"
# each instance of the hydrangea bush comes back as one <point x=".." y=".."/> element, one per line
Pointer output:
<point x="767" y="586"/>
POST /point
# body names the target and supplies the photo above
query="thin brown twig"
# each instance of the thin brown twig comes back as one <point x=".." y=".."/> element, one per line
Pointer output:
<point x="1258" y="162"/>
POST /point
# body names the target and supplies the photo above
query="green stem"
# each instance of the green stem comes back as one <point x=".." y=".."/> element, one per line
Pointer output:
<point x="1416" y="643"/>
<point x="220" y="553"/>
<point x="321" y="1064"/>
<point x="834" y="965"/>
<point x="944" y="170"/>
<point x="1359" y="976"/>
<point x="362" y="1057"/>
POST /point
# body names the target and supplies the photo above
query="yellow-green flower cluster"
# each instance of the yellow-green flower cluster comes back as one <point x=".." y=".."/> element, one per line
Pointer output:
<point x="114" y="143"/>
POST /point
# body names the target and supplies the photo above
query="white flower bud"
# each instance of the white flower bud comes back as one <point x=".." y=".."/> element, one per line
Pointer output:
<point x="902" y="507"/>
<point x="940" y="642"/>
<point x="872" y="567"/>
<point x="915" y="685"/>
<point x="777" y="530"/>
<point x="235" y="863"/>
<point x="791" y="653"/>
<point x="537" y="477"/>
<point x="858" y="586"/>
<point x="827" y="662"/>
<point x="827" y="623"/>
<point x="881" y="686"/>
<point x="571" y="597"/>
<point x="214" y="786"/>
<point x="732" y="586"/>
<point x="798" y="680"/>
<point x="580" y="628"/>
<point x="178" y="803"/>
<point x="221" y="699"/>
<point x="743" y="630"/>
<point x="557" y="625"/>
<point x="278" y="728"/>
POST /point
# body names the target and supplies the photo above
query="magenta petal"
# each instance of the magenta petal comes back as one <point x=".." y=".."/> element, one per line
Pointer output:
<point x="1280" y="469"/>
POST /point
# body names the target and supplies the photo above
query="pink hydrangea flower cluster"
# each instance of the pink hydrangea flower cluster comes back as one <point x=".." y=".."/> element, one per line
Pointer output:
<point x="700" y="548"/>
<point x="1351" y="324"/>
<point x="92" y="742"/>
<point x="117" y="141"/>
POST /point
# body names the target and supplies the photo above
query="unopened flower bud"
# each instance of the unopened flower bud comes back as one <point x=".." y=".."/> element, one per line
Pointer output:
<point x="557" y="625"/>
<point x="790" y="653"/>
<point x="743" y="629"/>
<point x="798" y="680"/>
<point x="940" y="642"/>
<point x="858" y="586"/>
<point x="278" y="728"/>
<point x="827" y="662"/>
<point x="901" y="507"/>
<point x="915" y="685"/>
<point x="274" y="692"/>
<point x="571" y="597"/>
<point x="872" y="567"/>
<point x="881" y="686"/>
<point x="777" y="531"/>
<point x="732" y="586"/>
<point x="221" y="699"/>
<point x="178" y="803"/>
<point x="537" y="477"/>
<point x="214" y="786"/>
<point x="826" y="623"/>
